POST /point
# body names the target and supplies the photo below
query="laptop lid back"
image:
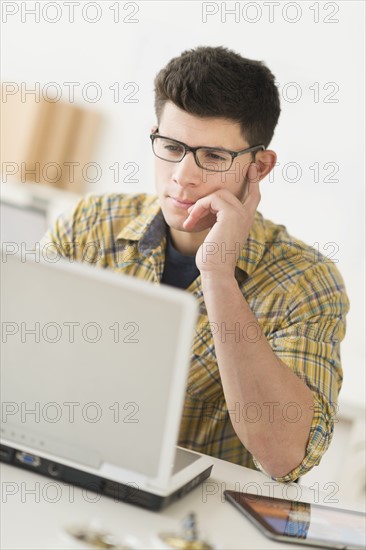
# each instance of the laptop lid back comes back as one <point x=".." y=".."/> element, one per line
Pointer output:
<point x="94" y="365"/>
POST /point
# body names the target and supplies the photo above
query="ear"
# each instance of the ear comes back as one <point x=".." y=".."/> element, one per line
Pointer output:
<point x="153" y="129"/>
<point x="265" y="162"/>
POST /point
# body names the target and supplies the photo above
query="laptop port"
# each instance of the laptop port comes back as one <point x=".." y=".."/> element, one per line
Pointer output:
<point x="6" y="454"/>
<point x="26" y="458"/>
<point x="54" y="469"/>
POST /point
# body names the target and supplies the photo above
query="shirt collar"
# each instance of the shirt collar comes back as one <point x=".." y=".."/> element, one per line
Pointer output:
<point x="149" y="229"/>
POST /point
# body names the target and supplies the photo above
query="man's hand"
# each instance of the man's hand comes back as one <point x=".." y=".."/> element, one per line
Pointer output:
<point x="221" y="248"/>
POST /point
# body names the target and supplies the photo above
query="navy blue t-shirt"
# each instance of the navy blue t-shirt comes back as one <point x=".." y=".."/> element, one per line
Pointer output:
<point x="180" y="269"/>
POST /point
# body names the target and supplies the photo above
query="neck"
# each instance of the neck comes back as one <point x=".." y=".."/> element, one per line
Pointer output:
<point x="187" y="243"/>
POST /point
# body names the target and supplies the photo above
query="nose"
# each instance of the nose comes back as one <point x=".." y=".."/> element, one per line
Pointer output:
<point x="186" y="172"/>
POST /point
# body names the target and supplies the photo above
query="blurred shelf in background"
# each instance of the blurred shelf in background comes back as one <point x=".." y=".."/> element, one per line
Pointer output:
<point x="46" y="141"/>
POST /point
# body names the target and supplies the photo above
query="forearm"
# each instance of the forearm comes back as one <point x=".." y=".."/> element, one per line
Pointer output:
<point x="257" y="385"/>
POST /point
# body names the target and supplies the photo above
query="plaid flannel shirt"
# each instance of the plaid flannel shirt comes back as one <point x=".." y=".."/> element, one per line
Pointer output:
<point x="296" y="294"/>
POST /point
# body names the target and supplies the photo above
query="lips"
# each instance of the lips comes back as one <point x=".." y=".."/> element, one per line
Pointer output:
<point x="180" y="203"/>
<point x="183" y="201"/>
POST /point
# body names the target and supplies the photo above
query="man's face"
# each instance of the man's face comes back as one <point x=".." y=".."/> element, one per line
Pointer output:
<point x="181" y="184"/>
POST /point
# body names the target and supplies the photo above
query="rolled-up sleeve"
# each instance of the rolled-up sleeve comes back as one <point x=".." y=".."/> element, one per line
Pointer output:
<point x="309" y="344"/>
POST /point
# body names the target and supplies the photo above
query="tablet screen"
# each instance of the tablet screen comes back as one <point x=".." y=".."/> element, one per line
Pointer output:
<point x="302" y="522"/>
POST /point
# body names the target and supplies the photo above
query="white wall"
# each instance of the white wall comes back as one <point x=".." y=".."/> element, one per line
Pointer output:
<point x="323" y="44"/>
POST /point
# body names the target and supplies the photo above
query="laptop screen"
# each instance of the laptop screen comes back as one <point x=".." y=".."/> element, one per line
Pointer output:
<point x="94" y="365"/>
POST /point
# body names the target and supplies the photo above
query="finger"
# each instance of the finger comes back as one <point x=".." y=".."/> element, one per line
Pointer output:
<point x="253" y="191"/>
<point x="253" y="173"/>
<point x="211" y="204"/>
<point x="196" y="213"/>
<point x="250" y="177"/>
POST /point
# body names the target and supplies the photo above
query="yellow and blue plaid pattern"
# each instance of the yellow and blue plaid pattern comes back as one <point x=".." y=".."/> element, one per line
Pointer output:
<point x="297" y="295"/>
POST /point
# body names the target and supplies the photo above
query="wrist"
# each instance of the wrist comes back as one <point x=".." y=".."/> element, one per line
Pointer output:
<point x="216" y="280"/>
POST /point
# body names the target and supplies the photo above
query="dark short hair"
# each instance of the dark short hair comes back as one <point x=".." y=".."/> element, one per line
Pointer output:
<point x="217" y="82"/>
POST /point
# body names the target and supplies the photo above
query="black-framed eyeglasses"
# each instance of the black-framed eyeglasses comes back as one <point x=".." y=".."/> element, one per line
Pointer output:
<point x="212" y="159"/>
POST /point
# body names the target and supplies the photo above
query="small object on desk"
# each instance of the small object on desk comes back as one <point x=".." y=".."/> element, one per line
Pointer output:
<point x="96" y="538"/>
<point x="190" y="527"/>
<point x="188" y="539"/>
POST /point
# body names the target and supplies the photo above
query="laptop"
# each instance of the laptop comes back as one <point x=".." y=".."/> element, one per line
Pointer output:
<point x="94" y="372"/>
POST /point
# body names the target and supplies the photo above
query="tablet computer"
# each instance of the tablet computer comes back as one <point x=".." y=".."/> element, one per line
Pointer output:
<point x="299" y="522"/>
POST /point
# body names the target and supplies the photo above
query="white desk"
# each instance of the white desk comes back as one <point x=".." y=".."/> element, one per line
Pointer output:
<point x="36" y="521"/>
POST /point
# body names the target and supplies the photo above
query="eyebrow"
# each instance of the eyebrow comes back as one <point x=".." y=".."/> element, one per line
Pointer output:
<point x="205" y="146"/>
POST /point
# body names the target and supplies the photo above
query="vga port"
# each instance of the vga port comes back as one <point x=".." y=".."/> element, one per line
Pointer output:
<point x="27" y="458"/>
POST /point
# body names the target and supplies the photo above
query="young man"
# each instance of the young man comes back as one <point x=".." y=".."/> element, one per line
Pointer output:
<point x="265" y="370"/>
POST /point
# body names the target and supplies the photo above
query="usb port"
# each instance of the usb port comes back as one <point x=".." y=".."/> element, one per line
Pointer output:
<point x="6" y="454"/>
<point x="26" y="458"/>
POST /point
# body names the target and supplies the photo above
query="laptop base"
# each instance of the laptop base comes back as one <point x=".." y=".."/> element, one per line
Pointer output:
<point x="129" y="492"/>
